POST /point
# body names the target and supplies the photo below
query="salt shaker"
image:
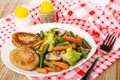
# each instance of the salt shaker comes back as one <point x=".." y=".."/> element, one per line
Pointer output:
<point x="47" y="12"/>
<point x="22" y="18"/>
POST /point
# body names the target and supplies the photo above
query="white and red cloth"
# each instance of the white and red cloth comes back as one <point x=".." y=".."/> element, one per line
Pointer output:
<point x="93" y="18"/>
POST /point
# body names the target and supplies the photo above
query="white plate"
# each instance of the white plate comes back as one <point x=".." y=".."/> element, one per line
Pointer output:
<point x="5" y="52"/>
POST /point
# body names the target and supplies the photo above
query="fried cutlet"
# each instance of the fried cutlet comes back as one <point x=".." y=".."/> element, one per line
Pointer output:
<point x="24" y="58"/>
<point x="24" y="39"/>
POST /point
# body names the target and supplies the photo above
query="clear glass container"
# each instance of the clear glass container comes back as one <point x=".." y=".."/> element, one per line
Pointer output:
<point x="48" y="17"/>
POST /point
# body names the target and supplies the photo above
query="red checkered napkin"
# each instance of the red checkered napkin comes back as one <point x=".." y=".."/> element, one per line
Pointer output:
<point x="93" y="19"/>
<point x="113" y="7"/>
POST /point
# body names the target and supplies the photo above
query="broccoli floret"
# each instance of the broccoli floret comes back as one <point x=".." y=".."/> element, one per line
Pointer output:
<point x="71" y="56"/>
<point x="50" y="39"/>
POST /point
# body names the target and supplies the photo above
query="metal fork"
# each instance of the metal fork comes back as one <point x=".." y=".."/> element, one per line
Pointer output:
<point x="106" y="48"/>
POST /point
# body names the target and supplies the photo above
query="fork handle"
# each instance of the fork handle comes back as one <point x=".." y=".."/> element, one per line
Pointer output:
<point x="87" y="74"/>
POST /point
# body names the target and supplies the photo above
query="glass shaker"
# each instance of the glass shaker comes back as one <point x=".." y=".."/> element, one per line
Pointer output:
<point x="47" y="12"/>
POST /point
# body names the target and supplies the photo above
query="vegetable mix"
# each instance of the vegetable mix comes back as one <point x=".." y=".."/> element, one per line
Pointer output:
<point x="58" y="49"/>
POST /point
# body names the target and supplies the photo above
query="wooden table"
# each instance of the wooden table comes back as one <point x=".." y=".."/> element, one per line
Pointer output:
<point x="7" y="7"/>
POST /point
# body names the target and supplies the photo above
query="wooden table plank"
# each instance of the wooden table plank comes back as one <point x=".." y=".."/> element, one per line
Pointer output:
<point x="7" y="7"/>
<point x="109" y="74"/>
<point x="118" y="69"/>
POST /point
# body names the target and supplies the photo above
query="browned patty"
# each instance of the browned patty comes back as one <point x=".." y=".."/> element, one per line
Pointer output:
<point x="24" y="39"/>
<point x="24" y="58"/>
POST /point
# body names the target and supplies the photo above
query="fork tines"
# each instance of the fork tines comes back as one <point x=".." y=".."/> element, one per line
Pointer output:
<point x="111" y="38"/>
<point x="109" y="41"/>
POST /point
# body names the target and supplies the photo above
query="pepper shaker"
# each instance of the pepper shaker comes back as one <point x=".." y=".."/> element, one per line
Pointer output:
<point x="47" y="12"/>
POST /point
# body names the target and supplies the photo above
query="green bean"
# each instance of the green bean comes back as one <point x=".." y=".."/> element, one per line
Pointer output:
<point x="72" y="34"/>
<point x="41" y="34"/>
<point x="64" y="43"/>
<point x="84" y="55"/>
<point x="49" y="64"/>
<point x="42" y="55"/>
<point x="86" y="43"/>
<point x="78" y="44"/>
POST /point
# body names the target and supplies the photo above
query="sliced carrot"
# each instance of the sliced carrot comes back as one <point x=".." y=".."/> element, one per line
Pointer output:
<point x="64" y="47"/>
<point x="60" y="64"/>
<point x="42" y="70"/>
<point x="50" y="69"/>
<point x="71" y="39"/>
<point x="58" y="69"/>
<point x="39" y="42"/>
<point x="60" y="47"/>
<point x="42" y="47"/>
